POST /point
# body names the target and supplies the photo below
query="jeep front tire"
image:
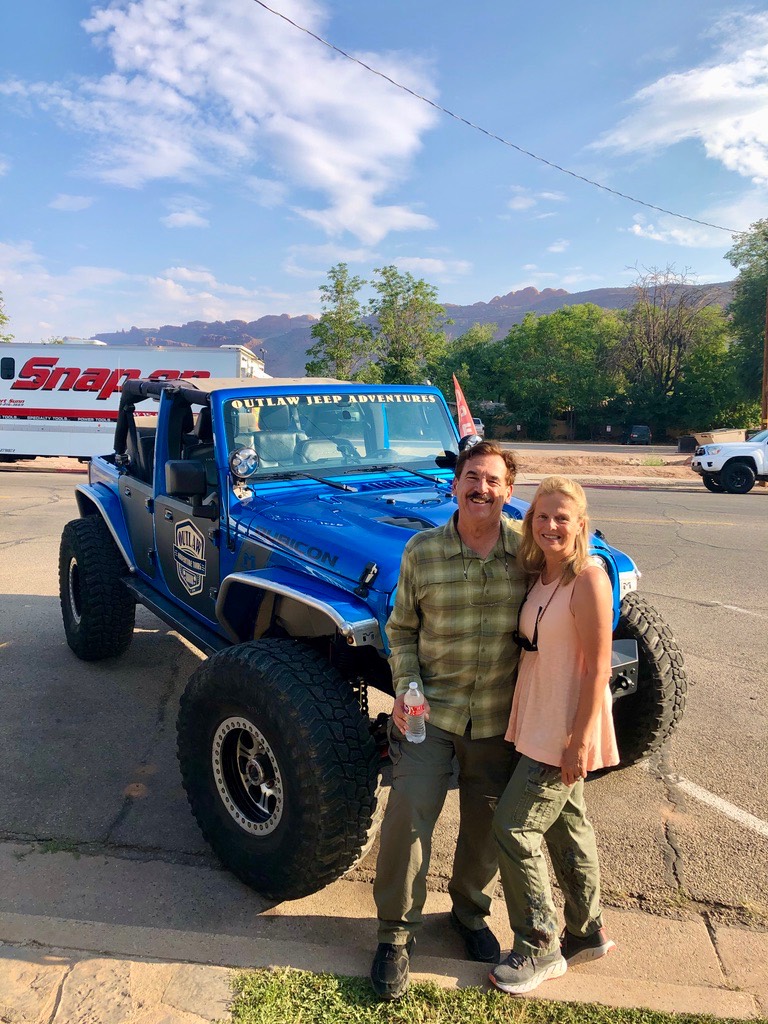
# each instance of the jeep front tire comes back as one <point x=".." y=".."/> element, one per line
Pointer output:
<point x="98" y="611"/>
<point x="279" y="766"/>
<point x="646" y="719"/>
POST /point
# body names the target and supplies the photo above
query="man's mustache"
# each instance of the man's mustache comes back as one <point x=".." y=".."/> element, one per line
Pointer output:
<point x="476" y="495"/>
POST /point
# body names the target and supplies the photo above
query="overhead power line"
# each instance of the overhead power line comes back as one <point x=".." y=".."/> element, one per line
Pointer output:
<point x="489" y="134"/>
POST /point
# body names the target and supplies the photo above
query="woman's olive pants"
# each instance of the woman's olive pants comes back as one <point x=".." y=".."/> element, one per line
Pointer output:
<point x="538" y="807"/>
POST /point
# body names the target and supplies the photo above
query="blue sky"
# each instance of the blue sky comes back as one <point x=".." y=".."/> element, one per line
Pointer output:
<point x="171" y="160"/>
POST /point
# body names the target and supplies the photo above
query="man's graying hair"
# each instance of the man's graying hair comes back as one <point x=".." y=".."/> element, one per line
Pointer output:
<point x="487" y="448"/>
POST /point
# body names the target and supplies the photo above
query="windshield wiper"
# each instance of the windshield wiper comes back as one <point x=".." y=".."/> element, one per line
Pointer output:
<point x="389" y="468"/>
<point x="325" y="480"/>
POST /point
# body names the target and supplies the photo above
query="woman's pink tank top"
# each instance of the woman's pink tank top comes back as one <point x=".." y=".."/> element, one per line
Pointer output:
<point x="548" y="684"/>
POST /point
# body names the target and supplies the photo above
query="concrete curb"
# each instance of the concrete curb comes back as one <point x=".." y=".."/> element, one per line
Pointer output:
<point x="60" y="971"/>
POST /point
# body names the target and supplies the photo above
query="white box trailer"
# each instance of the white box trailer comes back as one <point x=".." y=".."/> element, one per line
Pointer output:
<point x="63" y="399"/>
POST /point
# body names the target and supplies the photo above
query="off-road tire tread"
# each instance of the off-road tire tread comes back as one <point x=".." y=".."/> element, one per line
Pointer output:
<point x="285" y="684"/>
<point x="646" y="720"/>
<point x="108" y="612"/>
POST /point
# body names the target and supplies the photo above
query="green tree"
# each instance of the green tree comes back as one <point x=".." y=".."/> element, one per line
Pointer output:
<point x="709" y="392"/>
<point x="749" y="254"/>
<point x="410" y="338"/>
<point x="4" y="338"/>
<point x="472" y="357"/>
<point x="560" y="365"/>
<point x="344" y="340"/>
<point x="668" y="321"/>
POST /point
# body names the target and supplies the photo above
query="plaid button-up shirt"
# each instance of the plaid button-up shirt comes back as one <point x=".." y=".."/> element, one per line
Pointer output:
<point x="454" y="635"/>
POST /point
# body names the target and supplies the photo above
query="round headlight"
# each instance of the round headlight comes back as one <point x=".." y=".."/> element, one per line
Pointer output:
<point x="244" y="463"/>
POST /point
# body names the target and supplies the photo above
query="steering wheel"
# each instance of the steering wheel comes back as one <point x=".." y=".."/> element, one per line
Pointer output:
<point x="348" y="451"/>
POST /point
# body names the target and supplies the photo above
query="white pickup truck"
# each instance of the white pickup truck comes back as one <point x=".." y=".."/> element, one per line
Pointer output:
<point x="732" y="466"/>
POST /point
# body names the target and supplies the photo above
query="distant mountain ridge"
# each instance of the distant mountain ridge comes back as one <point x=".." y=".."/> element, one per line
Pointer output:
<point x="283" y="340"/>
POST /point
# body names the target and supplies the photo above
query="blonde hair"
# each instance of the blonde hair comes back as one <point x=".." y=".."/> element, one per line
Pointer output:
<point x="530" y="556"/>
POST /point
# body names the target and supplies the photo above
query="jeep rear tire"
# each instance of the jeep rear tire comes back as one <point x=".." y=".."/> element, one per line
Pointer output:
<point x="737" y="477"/>
<point x="98" y="611"/>
<point x="712" y="483"/>
<point x="279" y="766"/>
<point x="645" y="720"/>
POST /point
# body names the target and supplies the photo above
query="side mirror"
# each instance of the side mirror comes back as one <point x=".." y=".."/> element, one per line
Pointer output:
<point x="469" y="441"/>
<point x="185" y="478"/>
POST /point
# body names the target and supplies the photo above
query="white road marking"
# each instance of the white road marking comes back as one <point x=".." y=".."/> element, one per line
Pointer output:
<point x="735" y="608"/>
<point x="728" y="810"/>
<point x="663" y="522"/>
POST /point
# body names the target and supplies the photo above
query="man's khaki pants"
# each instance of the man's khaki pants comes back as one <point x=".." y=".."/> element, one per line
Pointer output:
<point x="421" y="775"/>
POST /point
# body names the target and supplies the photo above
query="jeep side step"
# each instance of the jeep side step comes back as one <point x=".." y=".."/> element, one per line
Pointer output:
<point x="190" y="628"/>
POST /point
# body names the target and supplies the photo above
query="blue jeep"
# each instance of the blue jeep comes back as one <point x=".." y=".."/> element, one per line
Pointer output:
<point x="265" y="521"/>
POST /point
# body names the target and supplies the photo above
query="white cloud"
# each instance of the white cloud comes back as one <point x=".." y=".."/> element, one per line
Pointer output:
<point x="265" y="192"/>
<point x="4" y="165"/>
<point x="559" y="245"/>
<point x="205" y="88"/>
<point x="434" y="269"/>
<point x="737" y="214"/>
<point x="723" y="104"/>
<point x="70" y="204"/>
<point x="84" y="300"/>
<point x="186" y="212"/>
<point x="312" y="261"/>
<point x="184" y="219"/>
<point x="525" y="199"/>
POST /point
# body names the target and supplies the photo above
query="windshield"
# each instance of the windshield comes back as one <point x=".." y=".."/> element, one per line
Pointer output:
<point x="762" y="436"/>
<point x="320" y="432"/>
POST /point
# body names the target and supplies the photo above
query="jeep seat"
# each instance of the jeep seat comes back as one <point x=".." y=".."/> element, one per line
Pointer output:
<point x="277" y="440"/>
<point x="199" y="445"/>
<point x="318" y="450"/>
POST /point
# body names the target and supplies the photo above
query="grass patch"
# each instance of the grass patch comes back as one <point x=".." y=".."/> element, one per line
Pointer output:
<point x="59" y="846"/>
<point x="653" y="460"/>
<point x="287" y="996"/>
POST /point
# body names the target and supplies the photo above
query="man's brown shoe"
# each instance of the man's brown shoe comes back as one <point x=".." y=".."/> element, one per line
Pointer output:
<point x="390" y="969"/>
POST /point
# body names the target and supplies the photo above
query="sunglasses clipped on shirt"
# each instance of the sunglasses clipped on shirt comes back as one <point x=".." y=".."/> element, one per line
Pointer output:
<point x="519" y="638"/>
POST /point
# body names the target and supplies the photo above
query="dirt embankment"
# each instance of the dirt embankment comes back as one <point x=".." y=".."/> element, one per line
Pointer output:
<point x="671" y="467"/>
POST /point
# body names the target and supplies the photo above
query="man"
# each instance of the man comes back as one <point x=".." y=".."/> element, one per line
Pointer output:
<point x="451" y="628"/>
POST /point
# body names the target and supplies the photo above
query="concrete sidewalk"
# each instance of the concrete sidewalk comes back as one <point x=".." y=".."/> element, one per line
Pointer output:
<point x="68" y="970"/>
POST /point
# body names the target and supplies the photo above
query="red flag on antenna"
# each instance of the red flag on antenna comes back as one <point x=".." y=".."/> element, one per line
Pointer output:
<point x="463" y="415"/>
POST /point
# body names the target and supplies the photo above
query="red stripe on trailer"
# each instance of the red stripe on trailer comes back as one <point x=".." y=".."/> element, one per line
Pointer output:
<point x="24" y="412"/>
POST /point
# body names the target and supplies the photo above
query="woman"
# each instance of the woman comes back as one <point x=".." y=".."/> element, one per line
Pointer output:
<point x="561" y="724"/>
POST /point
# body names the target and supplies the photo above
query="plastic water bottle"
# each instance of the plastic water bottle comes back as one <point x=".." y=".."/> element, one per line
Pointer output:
<point x="416" y="731"/>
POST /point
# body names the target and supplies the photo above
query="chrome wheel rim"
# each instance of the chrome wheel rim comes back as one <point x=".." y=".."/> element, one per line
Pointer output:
<point x="73" y="585"/>
<point x="247" y="775"/>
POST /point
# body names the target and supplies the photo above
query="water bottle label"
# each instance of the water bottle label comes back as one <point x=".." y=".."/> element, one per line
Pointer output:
<point x="416" y="709"/>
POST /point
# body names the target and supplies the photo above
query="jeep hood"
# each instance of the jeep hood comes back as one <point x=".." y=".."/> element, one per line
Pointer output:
<point x="342" y="533"/>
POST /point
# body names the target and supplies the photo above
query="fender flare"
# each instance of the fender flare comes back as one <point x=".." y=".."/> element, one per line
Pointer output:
<point x="93" y="500"/>
<point x="351" y="618"/>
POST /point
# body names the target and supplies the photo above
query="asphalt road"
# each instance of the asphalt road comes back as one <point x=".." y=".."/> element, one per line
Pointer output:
<point x="87" y="751"/>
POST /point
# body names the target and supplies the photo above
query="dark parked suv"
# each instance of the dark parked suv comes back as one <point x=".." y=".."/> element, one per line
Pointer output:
<point x="639" y="434"/>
